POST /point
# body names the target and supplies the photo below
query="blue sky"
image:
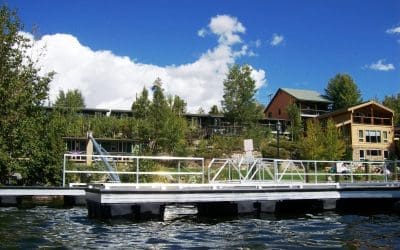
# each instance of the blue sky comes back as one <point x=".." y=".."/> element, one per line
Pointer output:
<point x="292" y="44"/>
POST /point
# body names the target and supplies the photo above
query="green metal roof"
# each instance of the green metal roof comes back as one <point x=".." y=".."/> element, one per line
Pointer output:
<point x="306" y="95"/>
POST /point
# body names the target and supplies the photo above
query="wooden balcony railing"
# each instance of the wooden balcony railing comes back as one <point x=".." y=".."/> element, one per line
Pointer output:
<point x="372" y="120"/>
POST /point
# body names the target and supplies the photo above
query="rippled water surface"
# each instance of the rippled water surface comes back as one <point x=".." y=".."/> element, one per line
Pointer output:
<point x="43" y="227"/>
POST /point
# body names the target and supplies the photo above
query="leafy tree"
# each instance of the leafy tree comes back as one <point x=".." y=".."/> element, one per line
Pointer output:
<point x="159" y="122"/>
<point x="23" y="125"/>
<point x="296" y="128"/>
<point x="334" y="145"/>
<point x="214" y="110"/>
<point x="178" y="105"/>
<point x="71" y="99"/>
<point x="393" y="102"/>
<point x="312" y="147"/>
<point x="239" y="104"/>
<point x="343" y="91"/>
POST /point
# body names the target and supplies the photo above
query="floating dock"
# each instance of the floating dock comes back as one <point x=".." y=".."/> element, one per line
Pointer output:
<point x="144" y="201"/>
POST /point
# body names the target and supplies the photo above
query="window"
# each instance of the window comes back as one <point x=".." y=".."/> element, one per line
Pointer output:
<point x="361" y="135"/>
<point x="362" y="156"/>
<point x="279" y="111"/>
<point x="374" y="152"/>
<point x="373" y="136"/>
<point x="385" y="154"/>
<point x="385" y="136"/>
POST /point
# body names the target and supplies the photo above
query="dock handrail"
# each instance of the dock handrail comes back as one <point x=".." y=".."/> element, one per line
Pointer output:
<point x="135" y="162"/>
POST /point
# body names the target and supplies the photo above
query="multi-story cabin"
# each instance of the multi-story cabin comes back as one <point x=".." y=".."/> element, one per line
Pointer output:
<point x="310" y="103"/>
<point x="368" y="127"/>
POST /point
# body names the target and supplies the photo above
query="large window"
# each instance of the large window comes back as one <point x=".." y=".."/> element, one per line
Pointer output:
<point x="373" y="136"/>
<point x="374" y="152"/>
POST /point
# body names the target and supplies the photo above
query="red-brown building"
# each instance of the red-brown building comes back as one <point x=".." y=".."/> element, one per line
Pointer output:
<point x="310" y="103"/>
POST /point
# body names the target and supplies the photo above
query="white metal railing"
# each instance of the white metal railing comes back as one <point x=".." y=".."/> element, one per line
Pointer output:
<point x="134" y="166"/>
<point x="301" y="171"/>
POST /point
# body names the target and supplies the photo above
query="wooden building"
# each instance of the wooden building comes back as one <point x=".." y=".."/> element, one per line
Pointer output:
<point x="310" y="103"/>
<point x="368" y="128"/>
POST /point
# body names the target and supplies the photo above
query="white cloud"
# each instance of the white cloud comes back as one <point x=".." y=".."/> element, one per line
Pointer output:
<point x="276" y="40"/>
<point x="227" y="28"/>
<point x="202" y="32"/>
<point x="381" y="66"/>
<point x="110" y="81"/>
<point x="395" y="30"/>
<point x="257" y="43"/>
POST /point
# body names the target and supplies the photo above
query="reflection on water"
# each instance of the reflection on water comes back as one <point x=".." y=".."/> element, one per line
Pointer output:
<point x="70" y="228"/>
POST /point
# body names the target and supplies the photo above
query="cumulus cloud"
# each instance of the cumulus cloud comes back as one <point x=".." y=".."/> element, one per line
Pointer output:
<point x="110" y="81"/>
<point x="276" y="40"/>
<point x="395" y="30"/>
<point x="227" y="28"/>
<point x="381" y="66"/>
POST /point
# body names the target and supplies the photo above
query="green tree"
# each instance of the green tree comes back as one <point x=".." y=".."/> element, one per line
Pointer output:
<point x="141" y="106"/>
<point x="312" y="146"/>
<point x="71" y="99"/>
<point x="239" y="104"/>
<point x="178" y="105"/>
<point x="296" y="128"/>
<point x="343" y="91"/>
<point x="334" y="145"/>
<point x="393" y="102"/>
<point x="23" y="125"/>
<point x="214" y="110"/>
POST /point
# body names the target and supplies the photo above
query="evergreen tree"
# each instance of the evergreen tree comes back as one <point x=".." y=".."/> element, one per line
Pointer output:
<point x="141" y="106"/>
<point x="343" y="91"/>
<point x="178" y="106"/>
<point x="393" y="102"/>
<point x="239" y="104"/>
<point x="72" y="99"/>
<point x="214" y="110"/>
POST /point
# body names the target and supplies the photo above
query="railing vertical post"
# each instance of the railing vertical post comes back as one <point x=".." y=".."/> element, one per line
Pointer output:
<point x="276" y="170"/>
<point x="137" y="170"/>
<point x="315" y="171"/>
<point x="202" y="167"/>
<point x="385" y="171"/>
<point x="351" y="172"/>
<point x="63" y="178"/>
<point x="179" y="172"/>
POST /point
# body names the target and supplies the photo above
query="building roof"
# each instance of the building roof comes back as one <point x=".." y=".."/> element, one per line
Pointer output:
<point x="306" y="95"/>
<point x="355" y="107"/>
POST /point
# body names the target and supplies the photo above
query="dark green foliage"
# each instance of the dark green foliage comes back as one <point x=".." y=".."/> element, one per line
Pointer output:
<point x="343" y="91"/>
<point x="71" y="99"/>
<point x="239" y="105"/>
<point x="159" y="122"/>
<point x="393" y="102"/>
<point x="141" y="106"/>
<point x="26" y="141"/>
<point x="214" y="110"/>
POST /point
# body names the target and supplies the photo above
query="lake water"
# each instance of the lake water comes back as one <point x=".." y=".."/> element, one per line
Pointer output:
<point x="44" y="227"/>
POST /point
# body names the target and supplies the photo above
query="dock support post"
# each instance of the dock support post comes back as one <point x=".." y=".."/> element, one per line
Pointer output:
<point x="329" y="204"/>
<point x="217" y="209"/>
<point x="267" y="206"/>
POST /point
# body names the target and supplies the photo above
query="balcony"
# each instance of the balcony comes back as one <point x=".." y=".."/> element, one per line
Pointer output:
<point x="372" y="120"/>
<point x="312" y="112"/>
